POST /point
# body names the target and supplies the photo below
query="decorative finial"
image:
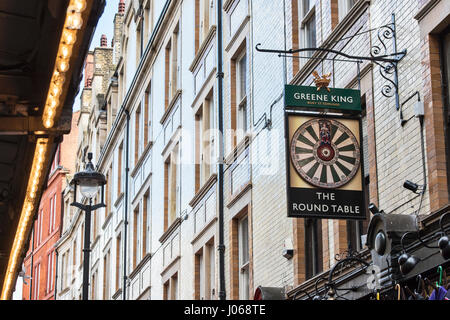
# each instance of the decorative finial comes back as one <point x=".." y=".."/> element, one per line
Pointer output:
<point x="321" y="82"/>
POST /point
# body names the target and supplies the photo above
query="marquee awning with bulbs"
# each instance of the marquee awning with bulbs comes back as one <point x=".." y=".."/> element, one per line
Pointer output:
<point x="43" y="44"/>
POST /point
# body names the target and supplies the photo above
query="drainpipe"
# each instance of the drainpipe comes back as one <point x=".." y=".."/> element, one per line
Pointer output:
<point x="125" y="224"/>
<point x="220" y="75"/>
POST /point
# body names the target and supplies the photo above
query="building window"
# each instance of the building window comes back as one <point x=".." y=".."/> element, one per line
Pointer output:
<point x="240" y="256"/>
<point x="74" y="257"/>
<point x="106" y="275"/>
<point x="139" y="41"/>
<point x="445" y="79"/>
<point x="64" y="268"/>
<point x="205" y="272"/>
<point x="307" y="25"/>
<point x="50" y="271"/>
<point x="204" y="129"/>
<point x="118" y="264"/>
<point x="356" y="228"/>
<point x="56" y="159"/>
<point x="170" y="288"/>
<point x="239" y="119"/>
<point x="137" y="135"/>
<point x="145" y="219"/>
<point x="108" y="192"/>
<point x="244" y="272"/>
<point x="313" y="247"/>
<point x="204" y="19"/>
<point x="147" y="110"/>
<point x="36" y="277"/>
<point x="82" y="243"/>
<point x="52" y="217"/>
<point x="94" y="286"/>
<point x="119" y="169"/>
<point x="148" y="22"/>
<point x="136" y="236"/>
<point x="344" y="7"/>
<point x="38" y="227"/>
<point x="172" y="68"/>
<point x="170" y="188"/>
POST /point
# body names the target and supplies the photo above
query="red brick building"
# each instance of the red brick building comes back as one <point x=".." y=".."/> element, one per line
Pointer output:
<point x="39" y="281"/>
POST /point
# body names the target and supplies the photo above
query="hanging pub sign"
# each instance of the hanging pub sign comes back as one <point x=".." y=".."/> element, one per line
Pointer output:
<point x="324" y="153"/>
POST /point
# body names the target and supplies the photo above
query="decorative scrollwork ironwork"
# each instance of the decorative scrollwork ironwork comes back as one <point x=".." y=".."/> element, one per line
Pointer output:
<point x="387" y="70"/>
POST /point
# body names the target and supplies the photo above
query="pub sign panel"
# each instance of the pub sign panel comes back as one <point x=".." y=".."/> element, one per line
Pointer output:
<point x="324" y="160"/>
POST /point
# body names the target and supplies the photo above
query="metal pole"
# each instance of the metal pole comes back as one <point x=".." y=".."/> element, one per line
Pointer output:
<point x="220" y="176"/>
<point x="86" y="250"/>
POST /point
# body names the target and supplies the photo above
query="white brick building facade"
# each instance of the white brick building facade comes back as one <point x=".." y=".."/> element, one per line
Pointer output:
<point x="164" y="77"/>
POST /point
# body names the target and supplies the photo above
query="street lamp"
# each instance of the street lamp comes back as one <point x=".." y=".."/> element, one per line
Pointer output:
<point x="89" y="182"/>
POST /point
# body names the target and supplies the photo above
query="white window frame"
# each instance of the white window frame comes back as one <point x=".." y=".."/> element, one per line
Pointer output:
<point x="244" y="264"/>
<point x="241" y="97"/>
<point x="344" y="7"/>
<point x="305" y="17"/>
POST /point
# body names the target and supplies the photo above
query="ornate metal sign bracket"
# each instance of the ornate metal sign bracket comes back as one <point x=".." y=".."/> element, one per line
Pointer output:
<point x="379" y="55"/>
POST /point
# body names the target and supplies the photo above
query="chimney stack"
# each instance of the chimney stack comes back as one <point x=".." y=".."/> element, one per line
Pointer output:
<point x="89" y="70"/>
<point x="103" y="41"/>
<point x="122" y="7"/>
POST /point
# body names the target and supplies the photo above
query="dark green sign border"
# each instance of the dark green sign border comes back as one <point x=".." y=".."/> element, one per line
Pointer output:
<point x="311" y="98"/>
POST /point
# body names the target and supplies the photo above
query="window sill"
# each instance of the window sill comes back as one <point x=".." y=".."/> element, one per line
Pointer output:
<point x="307" y="16"/>
<point x="119" y="199"/>
<point x="139" y="266"/>
<point x="107" y="219"/>
<point x="238" y="149"/>
<point x="200" y="233"/>
<point x="172" y="103"/>
<point x="117" y="294"/>
<point x="203" y="190"/>
<point x="237" y="33"/>
<point x="141" y="159"/>
<point x="66" y="289"/>
<point x="202" y="48"/>
<point x="238" y="194"/>
<point x="167" y="270"/>
<point x="170" y="230"/>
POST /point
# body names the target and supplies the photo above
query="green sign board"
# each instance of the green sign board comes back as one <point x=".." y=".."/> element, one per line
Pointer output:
<point x="322" y="98"/>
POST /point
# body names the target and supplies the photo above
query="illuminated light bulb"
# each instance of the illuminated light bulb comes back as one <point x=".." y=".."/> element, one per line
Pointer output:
<point x="52" y="102"/>
<point x="69" y="36"/>
<point x="50" y="112"/>
<point x="55" y="90"/>
<point x="48" y="123"/>
<point x="59" y="79"/>
<point x="78" y="5"/>
<point x="65" y="51"/>
<point x="63" y="65"/>
<point x="74" y="20"/>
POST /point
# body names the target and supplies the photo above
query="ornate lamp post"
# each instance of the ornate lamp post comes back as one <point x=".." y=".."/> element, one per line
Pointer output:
<point x="89" y="182"/>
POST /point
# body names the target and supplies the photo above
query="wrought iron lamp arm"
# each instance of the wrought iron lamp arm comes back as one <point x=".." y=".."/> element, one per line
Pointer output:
<point x="391" y="58"/>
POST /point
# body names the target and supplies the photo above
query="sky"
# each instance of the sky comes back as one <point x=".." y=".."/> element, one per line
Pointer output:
<point x="105" y="26"/>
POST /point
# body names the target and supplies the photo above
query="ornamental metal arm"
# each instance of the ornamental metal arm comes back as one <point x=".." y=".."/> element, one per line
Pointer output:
<point x="391" y="58"/>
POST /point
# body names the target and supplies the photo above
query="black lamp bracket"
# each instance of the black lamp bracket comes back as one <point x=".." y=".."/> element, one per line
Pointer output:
<point x="387" y="62"/>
